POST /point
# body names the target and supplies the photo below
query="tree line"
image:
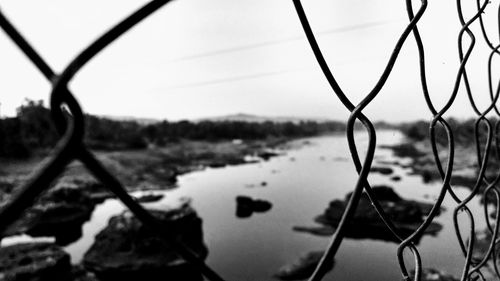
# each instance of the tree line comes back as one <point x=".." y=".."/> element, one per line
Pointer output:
<point x="32" y="130"/>
<point x="463" y="131"/>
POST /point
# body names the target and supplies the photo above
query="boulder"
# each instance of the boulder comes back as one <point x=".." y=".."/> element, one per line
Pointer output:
<point x="396" y="178"/>
<point x="217" y="165"/>
<point x="382" y="193"/>
<point x="261" y="206"/>
<point x="34" y="262"/>
<point x="406" y="215"/>
<point x="60" y="220"/>
<point x="59" y="213"/>
<point x="128" y="250"/>
<point x="246" y="206"/>
<point x="302" y="268"/>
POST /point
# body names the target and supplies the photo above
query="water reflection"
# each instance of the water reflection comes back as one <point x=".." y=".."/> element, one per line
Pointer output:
<point x="255" y="248"/>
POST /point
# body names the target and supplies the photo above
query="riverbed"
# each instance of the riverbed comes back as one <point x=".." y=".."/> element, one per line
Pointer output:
<point x="299" y="183"/>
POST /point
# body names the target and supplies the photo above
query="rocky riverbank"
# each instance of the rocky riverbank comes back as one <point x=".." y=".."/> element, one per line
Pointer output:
<point x="422" y="162"/>
<point x="151" y="168"/>
<point x="124" y="248"/>
<point x="154" y="168"/>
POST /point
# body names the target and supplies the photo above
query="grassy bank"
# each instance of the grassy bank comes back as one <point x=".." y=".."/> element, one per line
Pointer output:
<point x="148" y="168"/>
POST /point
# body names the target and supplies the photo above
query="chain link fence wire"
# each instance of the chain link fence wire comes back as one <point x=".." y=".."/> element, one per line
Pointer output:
<point x="472" y="266"/>
<point x="71" y="147"/>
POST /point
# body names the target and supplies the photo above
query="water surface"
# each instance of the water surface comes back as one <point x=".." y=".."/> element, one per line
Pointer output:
<point x="299" y="184"/>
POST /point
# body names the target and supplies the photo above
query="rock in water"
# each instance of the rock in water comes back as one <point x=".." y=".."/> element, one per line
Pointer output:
<point x="266" y="155"/>
<point x="406" y="215"/>
<point x="246" y="206"/>
<point x="302" y="268"/>
<point x="382" y="192"/>
<point x="128" y="250"/>
<point x="396" y="178"/>
<point x="61" y="220"/>
<point x="34" y="262"/>
<point x="381" y="170"/>
<point x="61" y="213"/>
<point x="261" y="206"/>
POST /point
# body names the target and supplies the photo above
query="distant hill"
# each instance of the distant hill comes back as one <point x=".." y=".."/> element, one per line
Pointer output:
<point x="139" y="120"/>
<point x="260" y="119"/>
<point x="244" y="117"/>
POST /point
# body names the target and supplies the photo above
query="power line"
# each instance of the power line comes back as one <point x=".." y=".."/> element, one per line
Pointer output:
<point x="231" y="79"/>
<point x="259" y="75"/>
<point x="259" y="45"/>
<point x="280" y="41"/>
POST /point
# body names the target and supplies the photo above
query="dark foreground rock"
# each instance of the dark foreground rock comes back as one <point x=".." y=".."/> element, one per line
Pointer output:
<point x="302" y="268"/>
<point x="34" y="262"/>
<point x="79" y="273"/>
<point x="431" y="274"/>
<point x="407" y="215"/>
<point x="60" y="213"/>
<point x="62" y="221"/>
<point x="246" y="206"/>
<point x="128" y="250"/>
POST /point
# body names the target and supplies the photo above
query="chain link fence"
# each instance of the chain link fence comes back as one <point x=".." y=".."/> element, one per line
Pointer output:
<point x="71" y="127"/>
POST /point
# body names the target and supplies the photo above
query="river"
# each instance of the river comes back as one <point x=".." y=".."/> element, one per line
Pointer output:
<point x="299" y="184"/>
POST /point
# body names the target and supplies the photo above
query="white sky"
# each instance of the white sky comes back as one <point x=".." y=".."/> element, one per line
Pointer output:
<point x="198" y="58"/>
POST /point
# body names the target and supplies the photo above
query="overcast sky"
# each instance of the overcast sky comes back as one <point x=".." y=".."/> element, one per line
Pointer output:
<point x="198" y="58"/>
